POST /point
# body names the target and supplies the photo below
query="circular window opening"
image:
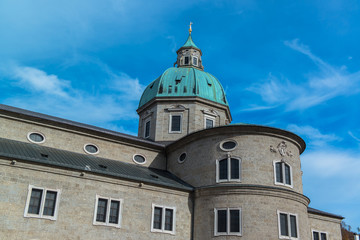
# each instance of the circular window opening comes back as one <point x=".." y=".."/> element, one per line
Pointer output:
<point x="36" y="137"/>
<point x="182" y="158"/>
<point x="139" y="159"/>
<point x="91" y="149"/>
<point x="228" y="145"/>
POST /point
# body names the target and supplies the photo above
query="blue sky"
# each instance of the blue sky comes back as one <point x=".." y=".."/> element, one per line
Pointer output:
<point x="293" y="65"/>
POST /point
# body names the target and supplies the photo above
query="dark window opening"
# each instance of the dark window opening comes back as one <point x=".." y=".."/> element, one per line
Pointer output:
<point x="175" y="123"/>
<point x="186" y="60"/>
<point x="147" y="129"/>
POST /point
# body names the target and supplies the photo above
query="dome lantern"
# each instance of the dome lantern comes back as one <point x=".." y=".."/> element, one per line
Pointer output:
<point x="189" y="55"/>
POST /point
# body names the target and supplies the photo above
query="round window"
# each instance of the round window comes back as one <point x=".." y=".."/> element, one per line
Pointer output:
<point x="139" y="159"/>
<point x="182" y="158"/>
<point x="36" y="137"/>
<point x="91" y="149"/>
<point x="228" y="145"/>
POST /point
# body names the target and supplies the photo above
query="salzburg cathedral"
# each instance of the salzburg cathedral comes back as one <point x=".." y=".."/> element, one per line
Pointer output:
<point x="190" y="174"/>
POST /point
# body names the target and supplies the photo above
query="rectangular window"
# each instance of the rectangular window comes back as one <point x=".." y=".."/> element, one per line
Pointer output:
<point x="175" y="124"/>
<point x="195" y="61"/>
<point x="42" y="203"/>
<point x="318" y="235"/>
<point x="288" y="226"/>
<point x="227" y="221"/>
<point x="107" y="211"/>
<point x="209" y="123"/>
<point x="147" y="129"/>
<point x="283" y="174"/>
<point x="163" y="219"/>
<point x="228" y="169"/>
<point x="186" y="60"/>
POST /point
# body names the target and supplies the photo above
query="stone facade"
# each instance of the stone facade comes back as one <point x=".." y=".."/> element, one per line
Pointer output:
<point x="77" y="203"/>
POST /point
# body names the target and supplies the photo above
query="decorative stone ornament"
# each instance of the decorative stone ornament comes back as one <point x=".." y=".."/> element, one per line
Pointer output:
<point x="281" y="149"/>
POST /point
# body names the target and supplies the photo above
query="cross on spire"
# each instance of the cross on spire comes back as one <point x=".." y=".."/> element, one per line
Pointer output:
<point x="190" y="30"/>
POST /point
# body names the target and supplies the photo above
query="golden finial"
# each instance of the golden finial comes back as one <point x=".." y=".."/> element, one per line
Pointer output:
<point x="190" y="30"/>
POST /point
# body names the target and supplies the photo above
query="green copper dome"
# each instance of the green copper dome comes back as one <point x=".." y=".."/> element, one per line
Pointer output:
<point x="185" y="82"/>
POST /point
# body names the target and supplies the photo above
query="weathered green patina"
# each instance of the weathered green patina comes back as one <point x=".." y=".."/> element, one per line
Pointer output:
<point x="185" y="82"/>
<point x="189" y="43"/>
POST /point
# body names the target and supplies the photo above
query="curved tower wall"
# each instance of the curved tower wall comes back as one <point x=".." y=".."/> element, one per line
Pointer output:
<point x="256" y="192"/>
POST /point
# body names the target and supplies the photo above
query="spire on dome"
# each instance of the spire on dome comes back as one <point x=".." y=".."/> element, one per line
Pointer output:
<point x="189" y="42"/>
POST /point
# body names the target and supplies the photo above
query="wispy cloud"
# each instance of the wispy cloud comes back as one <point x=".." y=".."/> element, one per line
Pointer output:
<point x="331" y="163"/>
<point x="353" y="136"/>
<point x="328" y="83"/>
<point x="48" y="93"/>
<point x="37" y="80"/>
<point x="315" y="137"/>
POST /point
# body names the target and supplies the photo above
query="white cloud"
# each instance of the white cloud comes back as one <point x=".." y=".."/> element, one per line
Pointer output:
<point x="316" y="138"/>
<point x="35" y="79"/>
<point x="49" y="94"/>
<point x="328" y="83"/>
<point x="327" y="163"/>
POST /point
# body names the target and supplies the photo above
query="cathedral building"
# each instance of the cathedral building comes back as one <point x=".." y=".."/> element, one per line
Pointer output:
<point x="190" y="174"/>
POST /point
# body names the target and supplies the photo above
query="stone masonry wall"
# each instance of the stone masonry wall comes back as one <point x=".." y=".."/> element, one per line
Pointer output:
<point x="325" y="224"/>
<point x="77" y="204"/>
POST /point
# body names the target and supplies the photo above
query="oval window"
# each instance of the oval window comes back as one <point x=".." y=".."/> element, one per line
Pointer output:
<point x="139" y="159"/>
<point x="36" y="137"/>
<point x="91" y="149"/>
<point x="228" y="145"/>
<point x="182" y="158"/>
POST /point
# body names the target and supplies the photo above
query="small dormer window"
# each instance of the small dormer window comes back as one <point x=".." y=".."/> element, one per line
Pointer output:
<point x="186" y="60"/>
<point x="195" y="61"/>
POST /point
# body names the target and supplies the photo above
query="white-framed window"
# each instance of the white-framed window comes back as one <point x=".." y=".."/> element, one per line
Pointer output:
<point x="139" y="158"/>
<point x="163" y="219"/>
<point x="209" y="122"/>
<point x="147" y="128"/>
<point x="283" y="174"/>
<point x="107" y="211"/>
<point x="319" y="235"/>
<point x="175" y="123"/>
<point x="36" y="137"/>
<point x="42" y="203"/>
<point x="195" y="61"/>
<point x="227" y="221"/>
<point x="228" y="169"/>
<point x="91" y="148"/>
<point x="288" y="225"/>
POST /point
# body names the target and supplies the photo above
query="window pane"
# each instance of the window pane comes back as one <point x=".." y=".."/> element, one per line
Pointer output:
<point x="157" y="217"/>
<point x="293" y="226"/>
<point x="235" y="221"/>
<point x="50" y="202"/>
<point x="101" y="210"/>
<point x="284" y="225"/>
<point x="35" y="200"/>
<point x="279" y="172"/>
<point x="323" y="236"/>
<point x="168" y="219"/>
<point x="316" y="236"/>
<point x="175" y="123"/>
<point x="223" y="169"/>
<point x="209" y="123"/>
<point x="36" y="137"/>
<point x="147" y="129"/>
<point x="91" y="148"/>
<point x="222" y="221"/>
<point x="195" y="61"/>
<point x="114" y="212"/>
<point x="287" y="174"/>
<point x="186" y="60"/>
<point x="235" y="167"/>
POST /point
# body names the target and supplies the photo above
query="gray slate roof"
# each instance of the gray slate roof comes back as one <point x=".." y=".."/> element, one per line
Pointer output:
<point x="29" y="152"/>
<point x="316" y="211"/>
<point x="47" y="118"/>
